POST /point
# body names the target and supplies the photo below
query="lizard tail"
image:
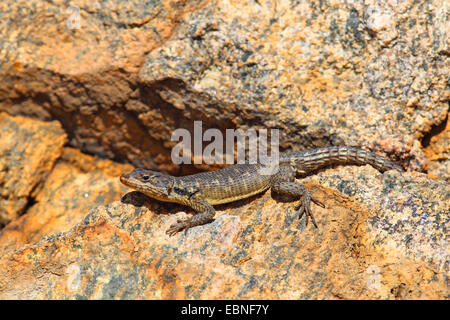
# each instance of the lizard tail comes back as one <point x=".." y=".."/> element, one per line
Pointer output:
<point x="310" y="160"/>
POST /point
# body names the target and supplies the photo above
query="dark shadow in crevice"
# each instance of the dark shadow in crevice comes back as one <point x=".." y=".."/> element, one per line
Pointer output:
<point x="435" y="130"/>
<point x="139" y="199"/>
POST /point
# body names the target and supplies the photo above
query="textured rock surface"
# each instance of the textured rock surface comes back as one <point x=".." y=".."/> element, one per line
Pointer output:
<point x="254" y="249"/>
<point x="77" y="184"/>
<point x="86" y="37"/>
<point x="372" y="73"/>
<point x="85" y="74"/>
<point x="437" y="149"/>
<point x="325" y="72"/>
<point x="28" y="150"/>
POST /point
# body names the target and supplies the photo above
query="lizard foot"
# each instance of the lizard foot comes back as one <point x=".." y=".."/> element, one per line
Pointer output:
<point x="304" y="206"/>
<point x="179" y="226"/>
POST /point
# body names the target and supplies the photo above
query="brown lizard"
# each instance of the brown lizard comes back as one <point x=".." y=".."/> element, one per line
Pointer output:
<point x="203" y="190"/>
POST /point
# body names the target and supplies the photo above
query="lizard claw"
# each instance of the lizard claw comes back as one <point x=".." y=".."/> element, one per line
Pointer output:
<point x="320" y="204"/>
<point x="305" y="207"/>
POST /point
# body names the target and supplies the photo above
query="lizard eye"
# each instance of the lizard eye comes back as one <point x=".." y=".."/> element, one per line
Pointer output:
<point x="145" y="178"/>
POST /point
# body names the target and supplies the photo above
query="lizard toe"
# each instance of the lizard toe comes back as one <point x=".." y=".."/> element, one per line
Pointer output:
<point x="319" y="203"/>
<point x="304" y="208"/>
<point x="177" y="227"/>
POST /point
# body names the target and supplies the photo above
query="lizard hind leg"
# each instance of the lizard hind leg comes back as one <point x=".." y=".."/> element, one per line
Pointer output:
<point x="205" y="215"/>
<point x="295" y="189"/>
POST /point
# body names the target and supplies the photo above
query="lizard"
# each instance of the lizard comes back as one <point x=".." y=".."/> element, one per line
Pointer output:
<point x="203" y="190"/>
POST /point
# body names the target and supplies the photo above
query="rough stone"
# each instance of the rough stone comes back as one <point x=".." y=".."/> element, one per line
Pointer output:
<point x="372" y="73"/>
<point x="324" y="72"/>
<point x="28" y="150"/>
<point x="437" y="149"/>
<point x="381" y="236"/>
<point x="76" y="184"/>
<point x="364" y="73"/>
<point x="79" y="64"/>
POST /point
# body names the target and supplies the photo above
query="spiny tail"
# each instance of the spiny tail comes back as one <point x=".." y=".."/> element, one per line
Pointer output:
<point x="310" y="160"/>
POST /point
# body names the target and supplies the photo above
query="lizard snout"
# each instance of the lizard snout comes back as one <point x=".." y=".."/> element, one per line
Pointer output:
<point x="124" y="177"/>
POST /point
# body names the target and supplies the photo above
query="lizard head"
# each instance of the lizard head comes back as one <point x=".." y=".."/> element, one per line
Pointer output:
<point x="153" y="184"/>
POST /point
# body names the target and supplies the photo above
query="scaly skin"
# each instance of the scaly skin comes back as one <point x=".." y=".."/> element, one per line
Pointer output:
<point x="203" y="190"/>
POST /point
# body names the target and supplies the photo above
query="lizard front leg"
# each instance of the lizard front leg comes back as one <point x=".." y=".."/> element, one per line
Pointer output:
<point x="295" y="189"/>
<point x="205" y="215"/>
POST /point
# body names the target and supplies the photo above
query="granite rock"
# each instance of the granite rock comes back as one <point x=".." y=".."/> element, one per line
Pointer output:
<point x="76" y="184"/>
<point x="367" y="73"/>
<point x="362" y="73"/>
<point x="28" y="151"/>
<point x="78" y="63"/>
<point x="381" y="236"/>
<point x="324" y="72"/>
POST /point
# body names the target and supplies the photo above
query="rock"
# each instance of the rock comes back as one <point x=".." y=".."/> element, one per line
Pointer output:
<point x="28" y="150"/>
<point x="437" y="149"/>
<point x="311" y="69"/>
<point x="120" y="79"/>
<point x="79" y="64"/>
<point x="379" y="237"/>
<point x="409" y="213"/>
<point x="371" y="74"/>
<point x="76" y="184"/>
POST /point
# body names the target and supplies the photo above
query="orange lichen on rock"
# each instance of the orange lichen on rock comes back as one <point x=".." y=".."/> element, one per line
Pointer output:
<point x="76" y="184"/>
<point x="28" y="151"/>
<point x="364" y="248"/>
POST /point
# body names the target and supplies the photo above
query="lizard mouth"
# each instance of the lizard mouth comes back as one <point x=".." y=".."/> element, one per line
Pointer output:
<point x="130" y="181"/>
<point x="125" y="179"/>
